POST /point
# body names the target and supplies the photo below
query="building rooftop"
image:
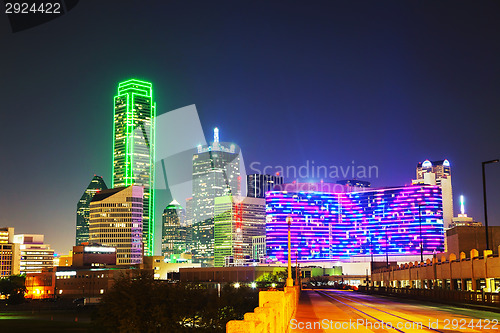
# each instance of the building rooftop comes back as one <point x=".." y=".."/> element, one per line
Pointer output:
<point x="174" y="205"/>
<point x="107" y="193"/>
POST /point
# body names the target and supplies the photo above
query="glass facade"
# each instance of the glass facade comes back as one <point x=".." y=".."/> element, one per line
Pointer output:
<point x="237" y="221"/>
<point x="336" y="226"/>
<point x="133" y="147"/>
<point x="216" y="173"/>
<point x="83" y="207"/>
<point x="116" y="221"/>
<point x="173" y="240"/>
<point x="259" y="184"/>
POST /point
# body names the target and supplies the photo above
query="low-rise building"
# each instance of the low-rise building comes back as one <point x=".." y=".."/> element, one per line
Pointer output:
<point x="93" y="255"/>
<point x="67" y="282"/>
<point x="64" y="260"/>
<point x="227" y="274"/>
<point x="163" y="268"/>
<point x="35" y="255"/>
<point x="465" y="238"/>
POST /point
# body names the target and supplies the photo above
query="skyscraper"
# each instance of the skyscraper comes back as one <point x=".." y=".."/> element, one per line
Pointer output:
<point x="438" y="173"/>
<point x="82" y="209"/>
<point x="259" y="184"/>
<point x="216" y="173"/>
<point x="189" y="211"/>
<point x="237" y="220"/>
<point x="173" y="239"/>
<point x="134" y="147"/>
<point x="116" y="220"/>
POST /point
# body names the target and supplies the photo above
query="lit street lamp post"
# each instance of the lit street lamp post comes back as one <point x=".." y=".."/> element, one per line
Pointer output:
<point x="371" y="250"/>
<point x="386" y="248"/>
<point x="420" y="224"/>
<point x="296" y="268"/>
<point x="289" y="280"/>
<point x="485" y="206"/>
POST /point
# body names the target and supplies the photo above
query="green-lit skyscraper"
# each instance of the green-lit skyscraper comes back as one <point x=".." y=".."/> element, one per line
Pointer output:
<point x="133" y="147"/>
<point x="82" y="209"/>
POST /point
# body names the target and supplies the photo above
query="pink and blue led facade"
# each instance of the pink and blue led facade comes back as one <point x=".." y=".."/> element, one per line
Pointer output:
<point x="336" y="226"/>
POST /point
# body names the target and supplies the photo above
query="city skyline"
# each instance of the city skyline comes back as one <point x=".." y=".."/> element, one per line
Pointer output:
<point x="380" y="85"/>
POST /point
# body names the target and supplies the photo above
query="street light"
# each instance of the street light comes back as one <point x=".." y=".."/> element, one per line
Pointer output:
<point x="420" y="224"/>
<point x="371" y="251"/>
<point x="296" y="268"/>
<point x="485" y="206"/>
<point x="289" y="280"/>
<point x="386" y="248"/>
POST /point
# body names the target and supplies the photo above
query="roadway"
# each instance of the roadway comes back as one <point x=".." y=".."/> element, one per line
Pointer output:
<point x="349" y="311"/>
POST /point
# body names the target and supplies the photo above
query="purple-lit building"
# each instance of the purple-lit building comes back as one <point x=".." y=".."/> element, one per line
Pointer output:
<point x="338" y="225"/>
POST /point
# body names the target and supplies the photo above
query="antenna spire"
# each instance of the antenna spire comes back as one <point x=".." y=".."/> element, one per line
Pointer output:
<point x="462" y="206"/>
<point x="216" y="134"/>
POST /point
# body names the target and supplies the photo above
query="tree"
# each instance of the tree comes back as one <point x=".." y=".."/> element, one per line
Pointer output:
<point x="278" y="277"/>
<point x="318" y="281"/>
<point x="138" y="303"/>
<point x="14" y="288"/>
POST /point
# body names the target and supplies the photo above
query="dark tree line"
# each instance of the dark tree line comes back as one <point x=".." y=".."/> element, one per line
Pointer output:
<point x="142" y="304"/>
<point x="13" y="288"/>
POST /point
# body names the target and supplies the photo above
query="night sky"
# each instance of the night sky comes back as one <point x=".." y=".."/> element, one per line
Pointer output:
<point x="385" y="83"/>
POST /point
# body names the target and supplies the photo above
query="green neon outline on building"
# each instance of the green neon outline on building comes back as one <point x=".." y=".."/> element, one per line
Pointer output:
<point x="132" y="128"/>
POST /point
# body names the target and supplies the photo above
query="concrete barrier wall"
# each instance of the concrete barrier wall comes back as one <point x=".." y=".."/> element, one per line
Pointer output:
<point x="448" y="267"/>
<point x="273" y="315"/>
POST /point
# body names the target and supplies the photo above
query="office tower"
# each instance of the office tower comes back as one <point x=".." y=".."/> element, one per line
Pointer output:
<point x="173" y="240"/>
<point x="462" y="220"/>
<point x="354" y="183"/>
<point x="441" y="169"/>
<point x="82" y="209"/>
<point x="134" y="147"/>
<point x="189" y="211"/>
<point x="116" y="221"/>
<point x="237" y="220"/>
<point x="35" y="255"/>
<point x="438" y="173"/>
<point x="258" y="247"/>
<point x="216" y="173"/>
<point x="259" y="184"/>
<point x="395" y="222"/>
<point x="189" y="223"/>
<point x="10" y="256"/>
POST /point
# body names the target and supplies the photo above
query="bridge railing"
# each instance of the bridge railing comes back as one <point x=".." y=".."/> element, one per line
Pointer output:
<point x="459" y="296"/>
<point x="273" y="315"/>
